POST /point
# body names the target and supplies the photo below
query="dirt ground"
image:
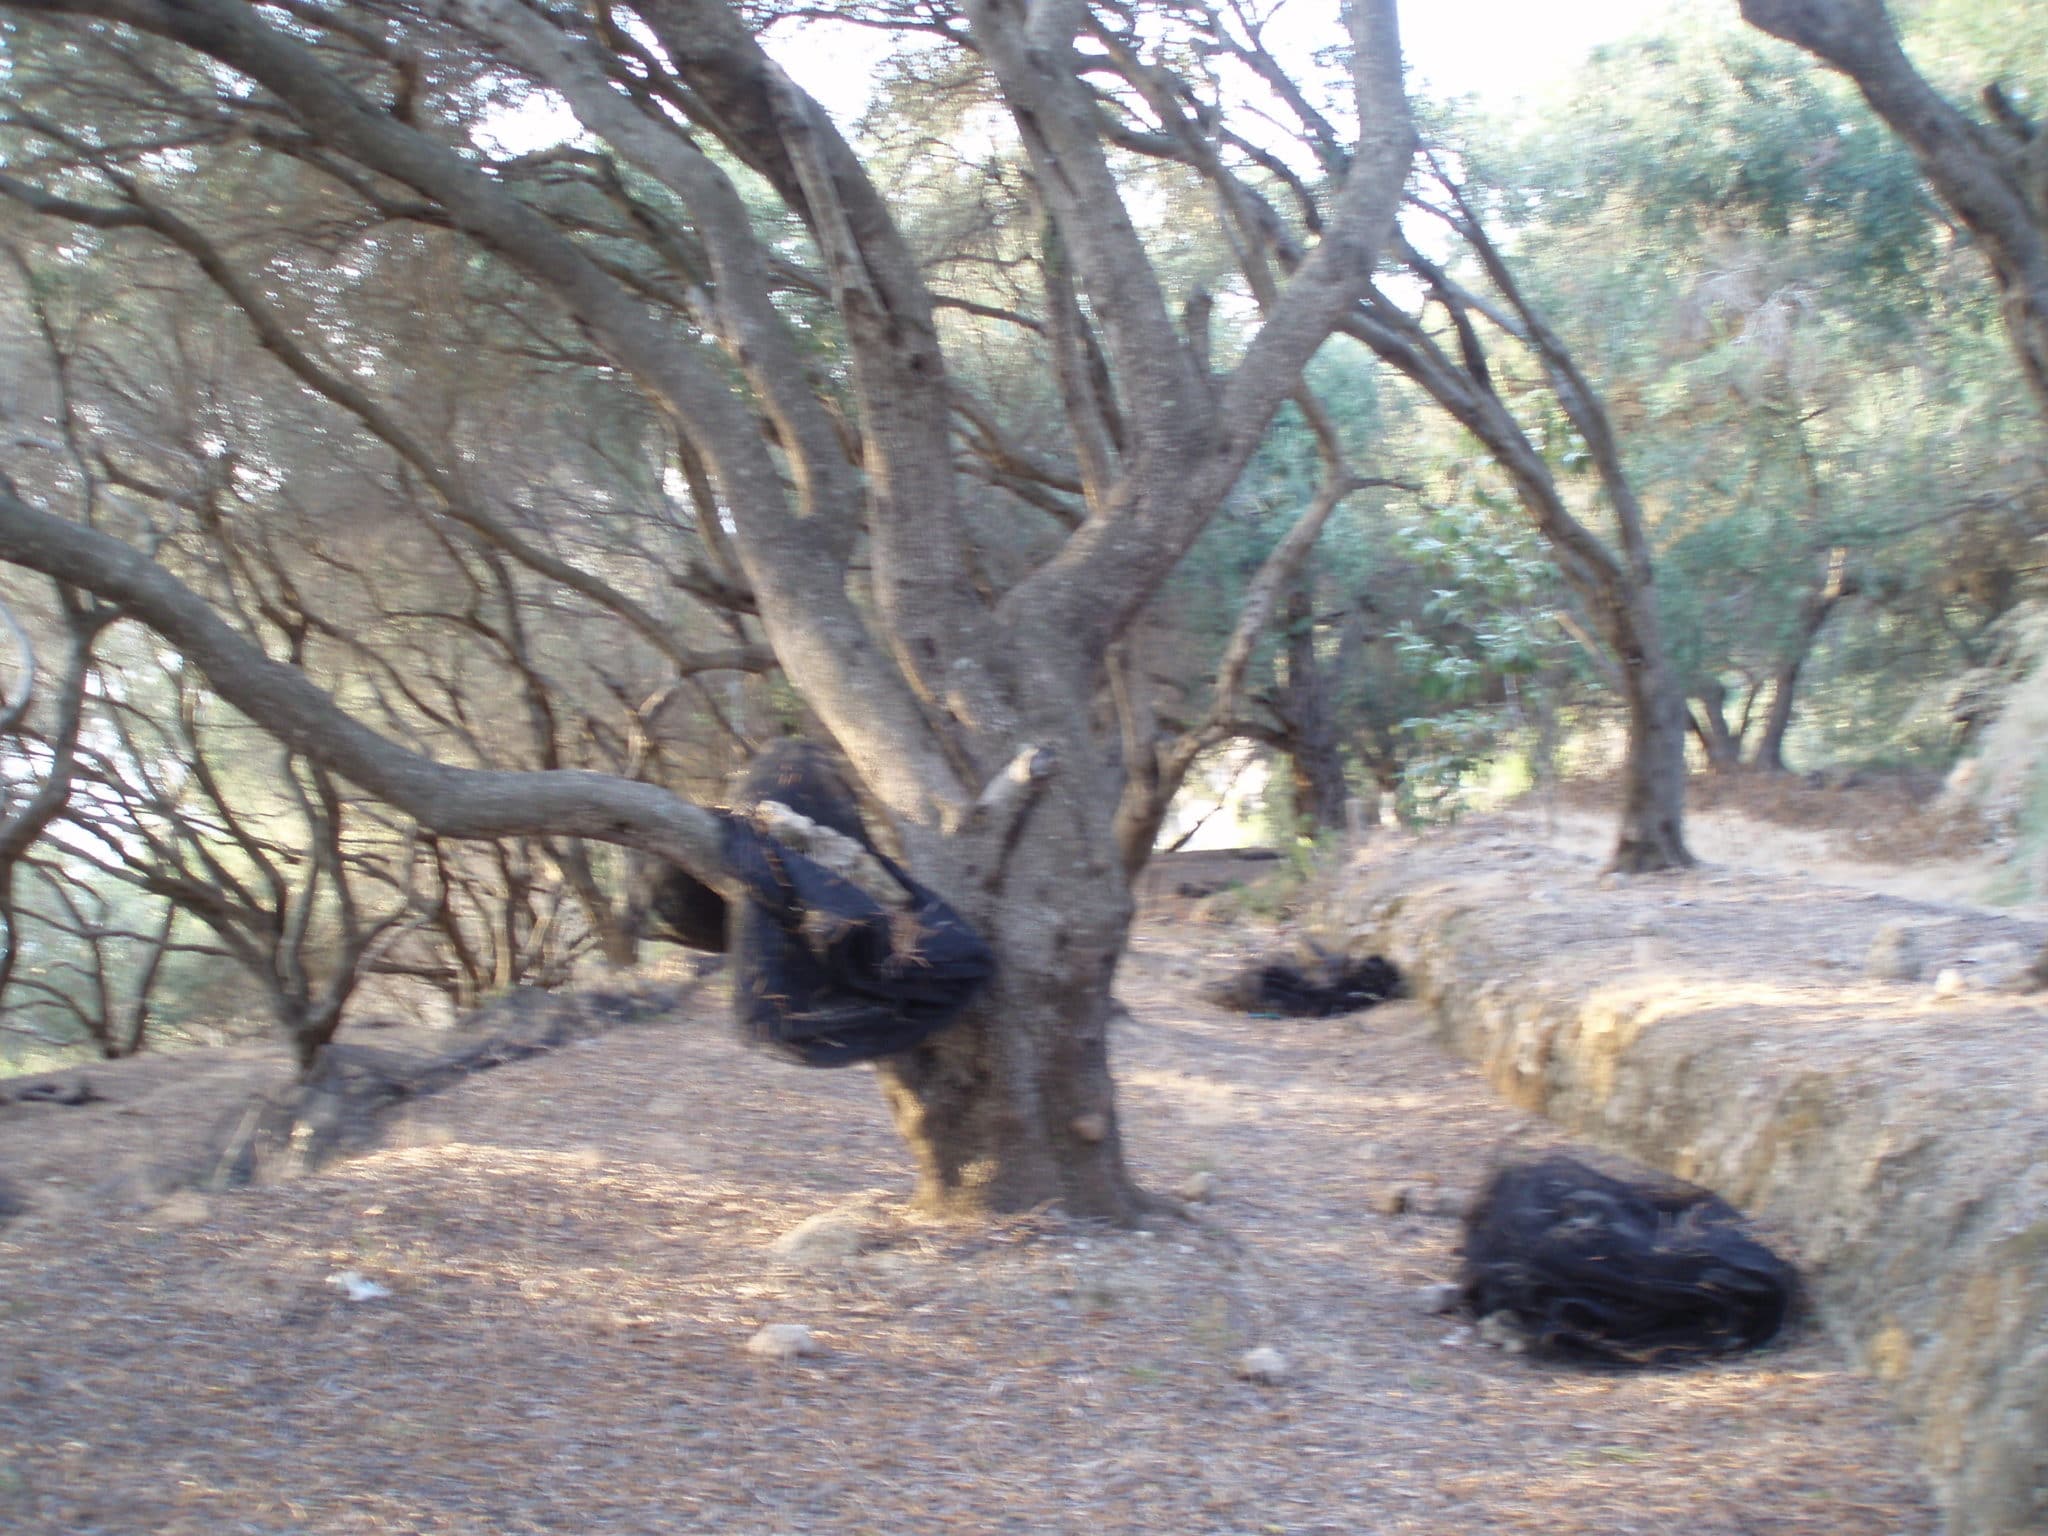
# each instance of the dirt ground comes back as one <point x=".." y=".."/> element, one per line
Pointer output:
<point x="574" y="1252"/>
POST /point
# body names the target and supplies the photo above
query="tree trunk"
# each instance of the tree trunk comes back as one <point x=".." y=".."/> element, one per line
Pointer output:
<point x="614" y="923"/>
<point x="1721" y="745"/>
<point x="1314" y="754"/>
<point x="1835" y="584"/>
<point x="1770" y="747"/>
<point x="1653" y="774"/>
<point x="1015" y="1106"/>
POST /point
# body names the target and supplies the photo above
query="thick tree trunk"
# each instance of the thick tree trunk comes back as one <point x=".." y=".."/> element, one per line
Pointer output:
<point x="1015" y="1106"/>
<point x="1314" y="754"/>
<point x="1320" y="791"/>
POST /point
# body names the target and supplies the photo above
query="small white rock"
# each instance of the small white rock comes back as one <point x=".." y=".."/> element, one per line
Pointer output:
<point x="1950" y="982"/>
<point x="1199" y="1188"/>
<point x="1436" y="1300"/>
<point x="782" y="1341"/>
<point x="1264" y="1365"/>
<point x="826" y="1238"/>
<point x="355" y="1287"/>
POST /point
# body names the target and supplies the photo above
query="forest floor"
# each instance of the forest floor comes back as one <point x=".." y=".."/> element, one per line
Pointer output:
<point x="528" y="1311"/>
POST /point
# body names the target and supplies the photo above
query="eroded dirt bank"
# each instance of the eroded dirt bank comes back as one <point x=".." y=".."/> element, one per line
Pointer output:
<point x="1726" y="1025"/>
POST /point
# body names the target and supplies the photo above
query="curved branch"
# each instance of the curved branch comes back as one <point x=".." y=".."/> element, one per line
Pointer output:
<point x="453" y="802"/>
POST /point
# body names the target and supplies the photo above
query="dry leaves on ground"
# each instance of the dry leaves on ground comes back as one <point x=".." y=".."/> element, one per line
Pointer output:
<point x="578" y="1253"/>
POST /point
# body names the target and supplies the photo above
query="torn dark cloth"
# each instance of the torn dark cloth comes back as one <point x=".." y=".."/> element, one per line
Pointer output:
<point x="825" y="972"/>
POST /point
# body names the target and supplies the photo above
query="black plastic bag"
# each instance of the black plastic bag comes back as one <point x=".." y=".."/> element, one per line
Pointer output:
<point x="824" y="972"/>
<point x="827" y="975"/>
<point x="1643" y="1271"/>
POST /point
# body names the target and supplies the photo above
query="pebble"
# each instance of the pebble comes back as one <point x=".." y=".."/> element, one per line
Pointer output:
<point x="1436" y="1300"/>
<point x="1198" y="1188"/>
<point x="1265" y="1365"/>
<point x="826" y="1238"/>
<point x="783" y="1341"/>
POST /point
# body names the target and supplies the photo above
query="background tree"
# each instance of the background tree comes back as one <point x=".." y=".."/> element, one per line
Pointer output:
<point x="1990" y="171"/>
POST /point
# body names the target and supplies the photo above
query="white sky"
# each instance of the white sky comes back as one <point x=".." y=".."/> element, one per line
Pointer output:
<point x="1494" y="49"/>
<point x="1497" y="50"/>
<point x="1501" y="49"/>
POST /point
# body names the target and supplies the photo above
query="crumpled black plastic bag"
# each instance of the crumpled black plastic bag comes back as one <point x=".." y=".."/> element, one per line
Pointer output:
<point x="1645" y="1271"/>
<point x="823" y="972"/>
<point x="826" y="975"/>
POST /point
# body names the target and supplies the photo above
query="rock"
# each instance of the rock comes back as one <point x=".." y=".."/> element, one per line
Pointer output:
<point x="1894" y="954"/>
<point x="356" y="1288"/>
<point x="183" y="1207"/>
<point x="1264" y="1366"/>
<point x="783" y="1341"/>
<point x="1451" y="1204"/>
<point x="1199" y="1188"/>
<point x="1501" y="1331"/>
<point x="1391" y="1199"/>
<point x="1950" y="981"/>
<point x="1090" y="1126"/>
<point x="1436" y="1300"/>
<point x="830" y="1237"/>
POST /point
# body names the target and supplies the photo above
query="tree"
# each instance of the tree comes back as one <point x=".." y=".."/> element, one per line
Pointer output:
<point x="328" y="560"/>
<point x="1616" y="582"/>
<point x="1991" y="172"/>
<point x="802" y="359"/>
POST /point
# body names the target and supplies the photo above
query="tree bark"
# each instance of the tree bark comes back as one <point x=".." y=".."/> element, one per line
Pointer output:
<point x="1016" y="1106"/>
<point x="1652" y="832"/>
<point x="1315" y="756"/>
<point x="1835" y="584"/>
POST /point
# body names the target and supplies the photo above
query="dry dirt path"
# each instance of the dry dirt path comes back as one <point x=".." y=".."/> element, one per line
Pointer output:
<point x="1962" y="875"/>
<point x="576" y="1253"/>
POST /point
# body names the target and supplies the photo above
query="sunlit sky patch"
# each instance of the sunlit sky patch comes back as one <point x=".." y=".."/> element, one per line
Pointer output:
<point x="1495" y="50"/>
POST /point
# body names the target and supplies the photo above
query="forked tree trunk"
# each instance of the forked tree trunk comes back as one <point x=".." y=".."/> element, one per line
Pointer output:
<point x="1722" y="746"/>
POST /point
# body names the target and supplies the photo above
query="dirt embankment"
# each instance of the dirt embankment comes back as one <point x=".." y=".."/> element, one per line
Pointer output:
<point x="1730" y="1026"/>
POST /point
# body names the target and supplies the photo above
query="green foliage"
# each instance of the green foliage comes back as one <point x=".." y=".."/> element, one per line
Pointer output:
<point x="1486" y="655"/>
<point x="1805" y="363"/>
